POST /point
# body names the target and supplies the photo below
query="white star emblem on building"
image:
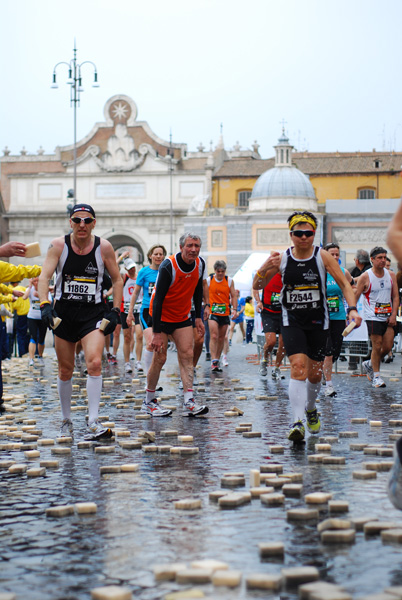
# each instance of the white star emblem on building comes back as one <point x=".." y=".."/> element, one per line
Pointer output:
<point x="120" y="111"/>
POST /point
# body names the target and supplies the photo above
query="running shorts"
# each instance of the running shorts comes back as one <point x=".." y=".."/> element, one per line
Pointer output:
<point x="335" y="339"/>
<point x="271" y="322"/>
<point x="169" y="328"/>
<point x="77" y="320"/>
<point x="376" y="327"/>
<point x="221" y="320"/>
<point x="311" y="342"/>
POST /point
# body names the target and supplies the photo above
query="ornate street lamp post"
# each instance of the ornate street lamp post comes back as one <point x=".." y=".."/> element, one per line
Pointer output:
<point x="75" y="82"/>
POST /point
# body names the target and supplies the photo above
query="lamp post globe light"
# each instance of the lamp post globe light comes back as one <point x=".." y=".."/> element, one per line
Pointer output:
<point x="75" y="82"/>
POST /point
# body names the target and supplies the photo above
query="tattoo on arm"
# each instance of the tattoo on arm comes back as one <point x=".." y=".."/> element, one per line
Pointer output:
<point x="50" y="246"/>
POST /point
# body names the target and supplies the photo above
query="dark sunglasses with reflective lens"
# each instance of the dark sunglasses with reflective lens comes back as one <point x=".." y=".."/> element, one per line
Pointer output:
<point x="86" y="220"/>
<point x="300" y="232"/>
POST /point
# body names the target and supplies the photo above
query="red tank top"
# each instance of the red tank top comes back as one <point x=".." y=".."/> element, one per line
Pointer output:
<point x="271" y="294"/>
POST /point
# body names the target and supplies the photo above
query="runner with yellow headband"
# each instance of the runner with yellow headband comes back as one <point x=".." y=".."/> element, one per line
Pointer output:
<point x="305" y="320"/>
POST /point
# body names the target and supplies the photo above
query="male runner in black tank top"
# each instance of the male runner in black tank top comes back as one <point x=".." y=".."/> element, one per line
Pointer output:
<point x="79" y="260"/>
<point x="304" y="314"/>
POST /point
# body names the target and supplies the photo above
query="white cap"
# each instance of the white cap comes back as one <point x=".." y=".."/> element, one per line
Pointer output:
<point x="129" y="264"/>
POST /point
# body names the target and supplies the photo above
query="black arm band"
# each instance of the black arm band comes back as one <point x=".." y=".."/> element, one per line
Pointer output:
<point x="351" y="308"/>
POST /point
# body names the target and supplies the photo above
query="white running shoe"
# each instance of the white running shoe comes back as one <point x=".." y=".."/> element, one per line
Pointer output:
<point x="31" y="362"/>
<point x="78" y="362"/>
<point x="152" y="408"/>
<point x="378" y="382"/>
<point x="131" y="356"/>
<point x="368" y="369"/>
<point x="329" y="390"/>
<point x="192" y="409"/>
<point x="225" y="362"/>
<point x="276" y="373"/>
<point x="195" y="378"/>
<point x="95" y="431"/>
<point x="263" y="369"/>
<point x="139" y="367"/>
<point x="66" y="429"/>
<point x="180" y="385"/>
<point x="127" y="367"/>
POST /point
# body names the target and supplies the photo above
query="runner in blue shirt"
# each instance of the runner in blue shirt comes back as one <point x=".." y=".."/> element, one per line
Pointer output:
<point x="146" y="279"/>
<point x="337" y="320"/>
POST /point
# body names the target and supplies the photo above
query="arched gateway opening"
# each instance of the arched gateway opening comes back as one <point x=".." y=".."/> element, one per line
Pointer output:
<point x="121" y="242"/>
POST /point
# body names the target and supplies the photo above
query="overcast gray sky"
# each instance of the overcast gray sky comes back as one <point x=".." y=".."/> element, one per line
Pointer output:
<point x="330" y="69"/>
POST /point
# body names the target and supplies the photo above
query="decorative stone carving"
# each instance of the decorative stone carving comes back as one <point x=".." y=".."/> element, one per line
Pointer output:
<point x="6" y="151"/>
<point x="269" y="237"/>
<point x="121" y="154"/>
<point x="360" y="235"/>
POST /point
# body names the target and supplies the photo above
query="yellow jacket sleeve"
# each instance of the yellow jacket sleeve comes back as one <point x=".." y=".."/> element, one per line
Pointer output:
<point x="4" y="299"/>
<point x="9" y="272"/>
<point x="5" y="289"/>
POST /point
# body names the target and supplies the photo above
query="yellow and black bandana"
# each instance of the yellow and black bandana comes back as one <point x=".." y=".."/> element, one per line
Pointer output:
<point x="301" y="218"/>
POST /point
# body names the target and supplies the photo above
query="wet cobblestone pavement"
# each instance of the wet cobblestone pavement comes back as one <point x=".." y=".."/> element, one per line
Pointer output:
<point x="137" y="526"/>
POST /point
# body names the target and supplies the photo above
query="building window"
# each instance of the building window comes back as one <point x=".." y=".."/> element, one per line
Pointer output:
<point x="243" y="198"/>
<point x="377" y="164"/>
<point x="217" y="238"/>
<point x="366" y="194"/>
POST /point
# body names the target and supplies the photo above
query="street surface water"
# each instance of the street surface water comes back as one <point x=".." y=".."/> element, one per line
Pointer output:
<point x="137" y="526"/>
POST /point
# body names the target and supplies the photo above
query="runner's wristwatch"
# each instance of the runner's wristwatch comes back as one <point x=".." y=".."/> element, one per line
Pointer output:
<point x="351" y="308"/>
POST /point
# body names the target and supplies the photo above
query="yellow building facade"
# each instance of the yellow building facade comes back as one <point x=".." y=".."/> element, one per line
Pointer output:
<point x="341" y="176"/>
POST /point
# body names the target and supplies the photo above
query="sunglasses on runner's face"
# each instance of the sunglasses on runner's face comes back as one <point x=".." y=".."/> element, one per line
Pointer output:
<point x="300" y="232"/>
<point x="86" y="220"/>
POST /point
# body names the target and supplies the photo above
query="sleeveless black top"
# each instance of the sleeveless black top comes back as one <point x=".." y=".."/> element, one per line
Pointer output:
<point x="79" y="277"/>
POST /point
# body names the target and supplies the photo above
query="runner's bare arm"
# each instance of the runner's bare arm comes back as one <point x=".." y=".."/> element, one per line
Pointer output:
<point x="362" y="285"/>
<point x="133" y="300"/>
<point x="205" y="297"/>
<point x="49" y="266"/>
<point x="395" y="300"/>
<point x="267" y="270"/>
<point x="333" y="268"/>
<point x="110" y="263"/>
<point x="233" y="296"/>
<point x="394" y="236"/>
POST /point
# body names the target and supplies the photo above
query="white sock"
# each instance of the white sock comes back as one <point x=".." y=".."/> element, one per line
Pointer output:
<point x="298" y="398"/>
<point x="150" y="395"/>
<point x="188" y="395"/>
<point x="329" y="382"/>
<point x="94" y="390"/>
<point x="313" y="390"/>
<point x="148" y="356"/>
<point x="65" y="389"/>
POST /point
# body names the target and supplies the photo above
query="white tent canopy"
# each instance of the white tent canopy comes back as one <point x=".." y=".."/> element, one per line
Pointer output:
<point x="243" y="278"/>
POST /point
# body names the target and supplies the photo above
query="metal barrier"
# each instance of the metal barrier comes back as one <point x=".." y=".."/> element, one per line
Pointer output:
<point x="356" y="349"/>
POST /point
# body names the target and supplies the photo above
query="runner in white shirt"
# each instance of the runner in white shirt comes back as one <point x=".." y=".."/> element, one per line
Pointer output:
<point x="380" y="306"/>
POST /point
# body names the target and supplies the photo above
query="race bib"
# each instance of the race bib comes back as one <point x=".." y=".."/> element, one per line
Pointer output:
<point x="303" y="297"/>
<point x="276" y="299"/>
<point x="218" y="309"/>
<point x="333" y="303"/>
<point x="382" y="308"/>
<point x="35" y="304"/>
<point x="80" y="289"/>
<point x="126" y="307"/>
<point x="151" y="286"/>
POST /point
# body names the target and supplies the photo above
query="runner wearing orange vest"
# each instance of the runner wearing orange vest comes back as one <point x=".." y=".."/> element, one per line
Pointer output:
<point x="180" y="279"/>
<point x="221" y="295"/>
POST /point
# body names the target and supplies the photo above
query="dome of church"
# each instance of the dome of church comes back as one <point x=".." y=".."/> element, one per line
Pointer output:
<point x="283" y="182"/>
<point x="283" y="187"/>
